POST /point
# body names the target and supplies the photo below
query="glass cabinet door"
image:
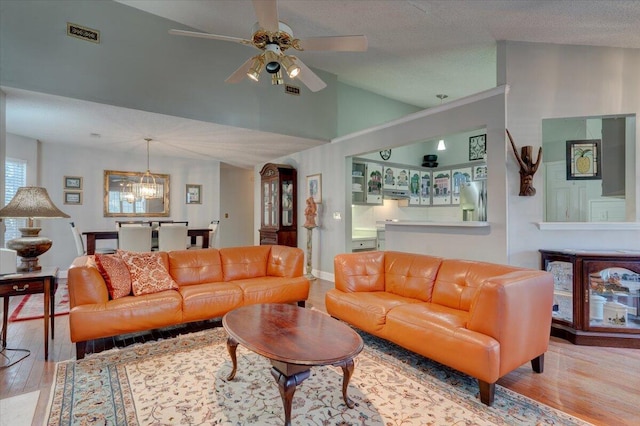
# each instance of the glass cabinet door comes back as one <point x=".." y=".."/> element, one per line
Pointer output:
<point x="562" y="289"/>
<point x="274" y="203"/>
<point x="266" y="199"/>
<point x="614" y="294"/>
<point x="287" y="203"/>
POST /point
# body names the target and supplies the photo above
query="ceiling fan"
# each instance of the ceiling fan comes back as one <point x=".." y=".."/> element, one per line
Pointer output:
<point x="273" y="38"/>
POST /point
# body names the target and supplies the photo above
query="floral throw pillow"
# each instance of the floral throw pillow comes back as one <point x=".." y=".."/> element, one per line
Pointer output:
<point x="148" y="273"/>
<point x="115" y="273"/>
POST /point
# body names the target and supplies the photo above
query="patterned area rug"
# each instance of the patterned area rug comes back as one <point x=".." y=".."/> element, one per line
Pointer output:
<point x="183" y="381"/>
<point x="32" y="305"/>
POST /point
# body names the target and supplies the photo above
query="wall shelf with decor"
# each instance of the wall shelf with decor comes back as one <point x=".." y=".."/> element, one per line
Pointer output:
<point x="597" y="296"/>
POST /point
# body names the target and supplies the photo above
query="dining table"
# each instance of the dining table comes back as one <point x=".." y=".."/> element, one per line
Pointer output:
<point x="92" y="236"/>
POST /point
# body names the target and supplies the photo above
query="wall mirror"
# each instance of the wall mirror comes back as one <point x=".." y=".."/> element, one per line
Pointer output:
<point x="589" y="168"/>
<point x="120" y="200"/>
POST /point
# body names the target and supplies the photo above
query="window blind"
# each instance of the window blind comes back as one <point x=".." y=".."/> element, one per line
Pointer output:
<point x="15" y="176"/>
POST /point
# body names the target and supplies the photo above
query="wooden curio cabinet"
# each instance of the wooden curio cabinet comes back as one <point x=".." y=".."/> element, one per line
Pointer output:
<point x="278" y="189"/>
<point x="596" y="297"/>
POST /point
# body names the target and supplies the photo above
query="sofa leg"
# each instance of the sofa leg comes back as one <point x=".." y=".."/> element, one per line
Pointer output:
<point x="487" y="392"/>
<point x="301" y="303"/>
<point x="537" y="364"/>
<point x="81" y="348"/>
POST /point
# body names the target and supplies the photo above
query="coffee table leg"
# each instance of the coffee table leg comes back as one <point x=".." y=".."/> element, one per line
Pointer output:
<point x="287" y="386"/>
<point x="232" y="345"/>
<point x="347" y="372"/>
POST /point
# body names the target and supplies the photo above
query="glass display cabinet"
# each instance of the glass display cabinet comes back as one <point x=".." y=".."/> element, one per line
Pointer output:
<point x="278" y="223"/>
<point x="596" y="296"/>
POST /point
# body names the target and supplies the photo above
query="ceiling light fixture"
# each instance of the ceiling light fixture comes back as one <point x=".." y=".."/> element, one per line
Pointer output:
<point x="290" y="66"/>
<point x="272" y="56"/>
<point x="256" y="67"/>
<point x="276" y="78"/>
<point x="441" y="145"/>
<point x="147" y="188"/>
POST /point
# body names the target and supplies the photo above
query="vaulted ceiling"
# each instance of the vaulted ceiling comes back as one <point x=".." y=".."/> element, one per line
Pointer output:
<point x="417" y="49"/>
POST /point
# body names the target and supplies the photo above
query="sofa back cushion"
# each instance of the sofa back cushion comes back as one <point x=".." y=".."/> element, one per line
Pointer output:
<point x="410" y="275"/>
<point x="458" y="281"/>
<point x="359" y="271"/>
<point x="285" y="262"/>
<point x="188" y="267"/>
<point x="239" y="263"/>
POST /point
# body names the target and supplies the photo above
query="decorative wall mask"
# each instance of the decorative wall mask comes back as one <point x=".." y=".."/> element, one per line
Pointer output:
<point x="527" y="167"/>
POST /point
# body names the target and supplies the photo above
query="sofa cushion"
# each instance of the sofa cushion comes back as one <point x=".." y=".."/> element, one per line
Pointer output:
<point x="273" y="290"/>
<point x="285" y="262"/>
<point x="359" y="272"/>
<point x="209" y="300"/>
<point x="458" y="281"/>
<point x="410" y="275"/>
<point x="239" y="263"/>
<point x="116" y="275"/>
<point x="365" y="310"/>
<point x="148" y="272"/>
<point x="188" y="267"/>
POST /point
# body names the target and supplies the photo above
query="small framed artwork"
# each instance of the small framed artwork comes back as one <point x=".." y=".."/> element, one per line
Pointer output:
<point x="72" y="197"/>
<point x="314" y="187"/>
<point x="480" y="172"/>
<point x="458" y="178"/>
<point x="477" y="147"/>
<point x="583" y="159"/>
<point x="194" y="194"/>
<point x="73" y="182"/>
<point x="441" y="181"/>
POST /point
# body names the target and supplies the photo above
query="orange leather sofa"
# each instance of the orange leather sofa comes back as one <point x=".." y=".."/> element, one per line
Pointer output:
<point x="211" y="283"/>
<point x="482" y="319"/>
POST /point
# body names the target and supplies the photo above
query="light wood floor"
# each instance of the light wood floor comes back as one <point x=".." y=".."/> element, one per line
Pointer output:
<point x="600" y="385"/>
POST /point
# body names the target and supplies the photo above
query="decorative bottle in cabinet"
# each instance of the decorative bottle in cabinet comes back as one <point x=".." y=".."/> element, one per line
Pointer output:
<point x="279" y="205"/>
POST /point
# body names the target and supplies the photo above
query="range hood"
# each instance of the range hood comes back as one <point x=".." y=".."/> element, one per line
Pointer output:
<point x="395" y="194"/>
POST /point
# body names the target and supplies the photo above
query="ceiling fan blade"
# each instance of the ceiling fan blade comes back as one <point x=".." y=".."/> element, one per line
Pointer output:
<point x="353" y="43"/>
<point x="267" y="13"/>
<point x="209" y="36"/>
<point x="239" y="74"/>
<point x="309" y="78"/>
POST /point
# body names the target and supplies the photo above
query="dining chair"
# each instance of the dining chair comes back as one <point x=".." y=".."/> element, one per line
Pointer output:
<point x="81" y="251"/>
<point x="213" y="227"/>
<point x="172" y="236"/>
<point x="134" y="236"/>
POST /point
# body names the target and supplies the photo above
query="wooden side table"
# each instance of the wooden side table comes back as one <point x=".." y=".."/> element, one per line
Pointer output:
<point x="44" y="281"/>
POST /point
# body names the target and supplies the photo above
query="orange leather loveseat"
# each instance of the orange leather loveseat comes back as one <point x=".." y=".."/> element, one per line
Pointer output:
<point x="210" y="283"/>
<point x="482" y="319"/>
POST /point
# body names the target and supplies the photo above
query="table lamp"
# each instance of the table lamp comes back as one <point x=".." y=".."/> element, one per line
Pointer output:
<point x="31" y="202"/>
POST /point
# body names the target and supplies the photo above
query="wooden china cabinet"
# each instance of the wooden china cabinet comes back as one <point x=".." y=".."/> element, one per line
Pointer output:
<point x="596" y="296"/>
<point x="278" y="223"/>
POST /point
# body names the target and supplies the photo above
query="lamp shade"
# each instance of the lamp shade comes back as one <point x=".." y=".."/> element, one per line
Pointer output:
<point x="32" y="202"/>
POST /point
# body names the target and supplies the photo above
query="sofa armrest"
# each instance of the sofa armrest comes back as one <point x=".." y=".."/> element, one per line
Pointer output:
<point x="515" y="309"/>
<point x="86" y="286"/>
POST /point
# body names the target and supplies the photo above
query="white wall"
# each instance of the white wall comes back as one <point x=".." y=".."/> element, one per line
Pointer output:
<point x="553" y="81"/>
<point x="58" y="161"/>
<point x="3" y="148"/>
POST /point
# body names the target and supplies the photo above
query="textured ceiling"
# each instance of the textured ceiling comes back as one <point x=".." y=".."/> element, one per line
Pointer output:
<point x="417" y="49"/>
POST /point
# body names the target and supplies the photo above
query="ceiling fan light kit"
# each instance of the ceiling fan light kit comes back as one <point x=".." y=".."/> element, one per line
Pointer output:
<point x="274" y="38"/>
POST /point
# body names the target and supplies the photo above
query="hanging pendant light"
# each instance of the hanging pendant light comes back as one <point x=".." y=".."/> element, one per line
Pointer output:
<point x="126" y="192"/>
<point x="147" y="188"/>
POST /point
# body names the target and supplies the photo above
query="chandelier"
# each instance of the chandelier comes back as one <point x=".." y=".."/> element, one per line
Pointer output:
<point x="147" y="188"/>
<point x="126" y="192"/>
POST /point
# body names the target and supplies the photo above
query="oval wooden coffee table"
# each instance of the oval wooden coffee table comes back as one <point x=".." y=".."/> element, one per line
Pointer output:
<point x="294" y="339"/>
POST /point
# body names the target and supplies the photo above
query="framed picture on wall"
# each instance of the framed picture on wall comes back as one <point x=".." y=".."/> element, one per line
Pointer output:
<point x="480" y="172"/>
<point x="583" y="159"/>
<point x="73" y="182"/>
<point x="477" y="147"/>
<point x="314" y="187"/>
<point x="72" y="197"/>
<point x="194" y="194"/>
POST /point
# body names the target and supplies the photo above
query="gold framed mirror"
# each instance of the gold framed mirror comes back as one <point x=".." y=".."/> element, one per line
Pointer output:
<point x="120" y="200"/>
